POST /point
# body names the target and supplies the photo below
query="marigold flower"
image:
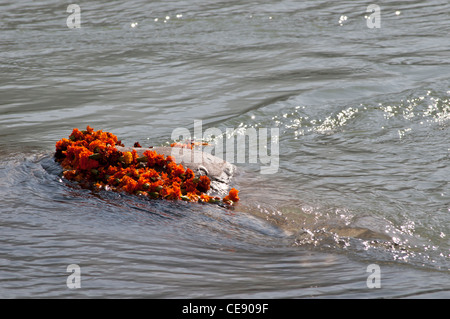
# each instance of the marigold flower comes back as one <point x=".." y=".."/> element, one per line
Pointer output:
<point x="204" y="184"/>
<point x="232" y="196"/>
<point x="129" y="184"/>
<point x="128" y="158"/>
<point x="181" y="145"/>
<point x="76" y="135"/>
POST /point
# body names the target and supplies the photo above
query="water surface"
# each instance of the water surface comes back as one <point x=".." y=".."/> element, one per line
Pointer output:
<point x="363" y="178"/>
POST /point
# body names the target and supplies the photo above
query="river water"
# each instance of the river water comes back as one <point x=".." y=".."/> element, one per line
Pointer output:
<point x="363" y="135"/>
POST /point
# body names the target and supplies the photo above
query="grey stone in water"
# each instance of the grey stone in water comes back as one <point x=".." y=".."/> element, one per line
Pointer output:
<point x="220" y="172"/>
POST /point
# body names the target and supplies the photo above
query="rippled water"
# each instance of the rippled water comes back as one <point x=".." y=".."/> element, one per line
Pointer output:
<point x="363" y="177"/>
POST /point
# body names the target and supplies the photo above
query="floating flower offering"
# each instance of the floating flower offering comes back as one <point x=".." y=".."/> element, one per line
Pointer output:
<point x="91" y="158"/>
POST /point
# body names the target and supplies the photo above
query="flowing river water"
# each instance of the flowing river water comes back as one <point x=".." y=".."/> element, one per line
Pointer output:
<point x="362" y="177"/>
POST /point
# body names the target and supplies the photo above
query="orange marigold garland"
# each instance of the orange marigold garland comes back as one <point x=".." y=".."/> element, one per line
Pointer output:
<point x="91" y="157"/>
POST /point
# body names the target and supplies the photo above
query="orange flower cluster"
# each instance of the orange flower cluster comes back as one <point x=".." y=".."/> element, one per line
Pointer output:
<point x="232" y="197"/>
<point x="189" y="145"/>
<point x="91" y="158"/>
